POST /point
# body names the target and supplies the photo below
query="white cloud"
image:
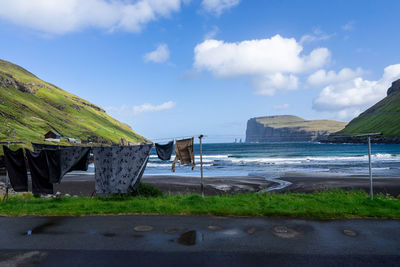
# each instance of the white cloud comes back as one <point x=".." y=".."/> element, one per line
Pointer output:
<point x="218" y="6"/>
<point x="63" y="16"/>
<point x="212" y="33"/>
<point x="268" y="84"/>
<point x="349" y="26"/>
<point x="349" y="98"/>
<point x="276" y="54"/>
<point x="159" y="55"/>
<point x="153" y="108"/>
<point x="127" y="112"/>
<point x="271" y="63"/>
<point x="322" y="77"/>
<point x="317" y="35"/>
<point x="282" y="107"/>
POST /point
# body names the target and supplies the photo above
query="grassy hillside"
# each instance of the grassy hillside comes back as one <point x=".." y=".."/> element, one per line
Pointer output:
<point x="285" y="121"/>
<point x="383" y="117"/>
<point x="29" y="107"/>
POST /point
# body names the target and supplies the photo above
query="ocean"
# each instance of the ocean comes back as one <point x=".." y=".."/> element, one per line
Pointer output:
<point x="271" y="160"/>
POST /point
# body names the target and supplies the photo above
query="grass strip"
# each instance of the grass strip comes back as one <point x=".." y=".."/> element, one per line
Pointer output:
<point x="318" y="205"/>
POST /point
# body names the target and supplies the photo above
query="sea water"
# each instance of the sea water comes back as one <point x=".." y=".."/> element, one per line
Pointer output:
<point x="275" y="159"/>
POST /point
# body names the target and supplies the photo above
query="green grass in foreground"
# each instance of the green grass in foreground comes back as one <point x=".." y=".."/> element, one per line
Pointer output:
<point x="323" y="205"/>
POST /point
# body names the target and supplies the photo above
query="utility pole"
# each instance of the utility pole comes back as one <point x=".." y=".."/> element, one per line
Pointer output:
<point x="371" y="189"/>
<point x="201" y="167"/>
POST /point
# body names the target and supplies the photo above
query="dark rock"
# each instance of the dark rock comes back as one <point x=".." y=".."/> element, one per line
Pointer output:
<point x="394" y="88"/>
<point x="6" y="82"/>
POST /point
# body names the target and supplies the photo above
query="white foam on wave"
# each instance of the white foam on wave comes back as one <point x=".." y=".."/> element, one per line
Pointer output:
<point x="163" y="165"/>
<point x="299" y="160"/>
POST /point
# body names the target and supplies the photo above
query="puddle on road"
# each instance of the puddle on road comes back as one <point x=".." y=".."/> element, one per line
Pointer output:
<point x="231" y="232"/>
<point x="350" y="232"/>
<point x="215" y="227"/>
<point x="190" y="238"/>
<point x="252" y="230"/>
<point x="143" y="228"/>
<point x="109" y="234"/>
<point x="285" y="232"/>
<point x="43" y="228"/>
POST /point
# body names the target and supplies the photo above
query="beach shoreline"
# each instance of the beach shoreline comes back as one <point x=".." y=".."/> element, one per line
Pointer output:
<point x="83" y="184"/>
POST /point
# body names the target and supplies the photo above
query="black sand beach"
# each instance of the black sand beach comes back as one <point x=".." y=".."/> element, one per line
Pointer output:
<point x="83" y="185"/>
<point x="306" y="183"/>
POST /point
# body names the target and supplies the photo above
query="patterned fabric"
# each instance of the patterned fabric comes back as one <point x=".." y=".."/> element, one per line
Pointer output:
<point x="184" y="152"/>
<point x="118" y="169"/>
<point x="65" y="160"/>
<point x="164" y="152"/>
<point x="16" y="168"/>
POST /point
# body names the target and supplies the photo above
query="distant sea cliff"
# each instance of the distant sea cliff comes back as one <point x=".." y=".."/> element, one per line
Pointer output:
<point x="288" y="128"/>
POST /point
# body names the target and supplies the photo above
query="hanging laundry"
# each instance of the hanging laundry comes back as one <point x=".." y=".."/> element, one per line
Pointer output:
<point x="164" y="152"/>
<point x="66" y="159"/>
<point x="53" y="159"/>
<point x="118" y="169"/>
<point x="39" y="172"/>
<point x="16" y="168"/>
<point x="184" y="153"/>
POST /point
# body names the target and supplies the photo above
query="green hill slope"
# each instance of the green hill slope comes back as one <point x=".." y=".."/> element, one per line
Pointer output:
<point x="383" y="117"/>
<point x="29" y="107"/>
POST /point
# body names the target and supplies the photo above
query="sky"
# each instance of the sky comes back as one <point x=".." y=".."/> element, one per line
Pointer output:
<point x="176" y="68"/>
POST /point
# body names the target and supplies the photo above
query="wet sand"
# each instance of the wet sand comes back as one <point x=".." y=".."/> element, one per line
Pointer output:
<point x="212" y="185"/>
<point x="75" y="184"/>
<point x="306" y="183"/>
<point x="84" y="185"/>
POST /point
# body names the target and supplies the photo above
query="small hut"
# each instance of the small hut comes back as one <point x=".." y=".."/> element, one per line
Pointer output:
<point x="53" y="136"/>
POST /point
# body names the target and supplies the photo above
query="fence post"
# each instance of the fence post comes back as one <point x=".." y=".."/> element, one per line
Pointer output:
<point x="201" y="167"/>
<point x="370" y="169"/>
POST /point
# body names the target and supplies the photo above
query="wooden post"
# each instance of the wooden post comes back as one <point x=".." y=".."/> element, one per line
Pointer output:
<point x="201" y="167"/>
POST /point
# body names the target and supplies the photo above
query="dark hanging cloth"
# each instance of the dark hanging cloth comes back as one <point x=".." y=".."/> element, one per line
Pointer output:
<point x="65" y="160"/>
<point x="164" y="152"/>
<point x="118" y="169"/>
<point x="39" y="172"/>
<point x="16" y="168"/>
<point x="53" y="159"/>
<point x="184" y="153"/>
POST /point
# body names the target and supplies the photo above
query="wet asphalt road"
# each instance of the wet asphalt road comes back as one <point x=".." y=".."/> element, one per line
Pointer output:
<point x="149" y="240"/>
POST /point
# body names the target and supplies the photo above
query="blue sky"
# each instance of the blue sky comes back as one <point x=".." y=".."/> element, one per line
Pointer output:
<point x="173" y="68"/>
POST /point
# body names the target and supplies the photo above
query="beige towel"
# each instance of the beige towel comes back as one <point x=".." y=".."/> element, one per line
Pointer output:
<point x="184" y="152"/>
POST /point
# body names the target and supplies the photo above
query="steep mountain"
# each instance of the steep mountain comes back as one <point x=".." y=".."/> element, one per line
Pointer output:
<point x="30" y="107"/>
<point x="288" y="128"/>
<point x="383" y="117"/>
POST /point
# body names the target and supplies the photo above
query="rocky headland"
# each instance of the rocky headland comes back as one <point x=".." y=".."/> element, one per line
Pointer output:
<point x="288" y="128"/>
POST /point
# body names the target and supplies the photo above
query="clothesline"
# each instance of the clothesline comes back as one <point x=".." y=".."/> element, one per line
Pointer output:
<point x="176" y="137"/>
